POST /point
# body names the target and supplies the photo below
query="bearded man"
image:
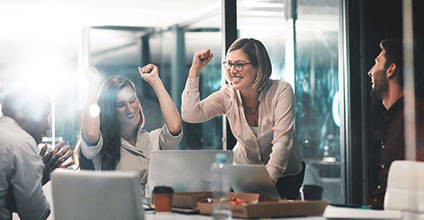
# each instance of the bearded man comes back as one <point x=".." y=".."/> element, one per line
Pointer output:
<point x="387" y="85"/>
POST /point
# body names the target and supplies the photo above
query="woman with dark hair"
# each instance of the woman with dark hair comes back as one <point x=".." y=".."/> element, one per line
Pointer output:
<point x="261" y="112"/>
<point x="114" y="139"/>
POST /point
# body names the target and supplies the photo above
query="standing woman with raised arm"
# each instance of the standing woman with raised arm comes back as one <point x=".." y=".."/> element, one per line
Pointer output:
<point x="261" y="112"/>
<point x="114" y="139"/>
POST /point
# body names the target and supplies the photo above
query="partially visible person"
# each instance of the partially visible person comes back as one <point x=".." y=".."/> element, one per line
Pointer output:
<point x="387" y="85"/>
<point x="114" y="139"/>
<point x="23" y="171"/>
<point x="261" y="112"/>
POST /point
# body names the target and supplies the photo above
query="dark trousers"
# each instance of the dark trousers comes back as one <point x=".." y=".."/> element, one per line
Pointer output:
<point x="288" y="186"/>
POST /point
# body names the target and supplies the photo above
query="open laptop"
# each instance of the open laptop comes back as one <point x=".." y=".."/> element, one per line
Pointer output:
<point x="87" y="195"/>
<point x="253" y="179"/>
<point x="184" y="170"/>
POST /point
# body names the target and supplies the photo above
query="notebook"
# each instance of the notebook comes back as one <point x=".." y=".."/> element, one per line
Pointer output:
<point x="332" y="212"/>
<point x="87" y="195"/>
<point x="183" y="170"/>
<point x="253" y="179"/>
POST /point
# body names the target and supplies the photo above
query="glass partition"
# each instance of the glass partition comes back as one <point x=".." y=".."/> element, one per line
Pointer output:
<point x="317" y="93"/>
<point x="207" y="135"/>
<point x="118" y="51"/>
<point x="304" y="50"/>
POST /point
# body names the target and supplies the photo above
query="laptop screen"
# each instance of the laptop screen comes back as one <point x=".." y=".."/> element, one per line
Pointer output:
<point x="184" y="170"/>
<point x="253" y="179"/>
<point x="96" y="195"/>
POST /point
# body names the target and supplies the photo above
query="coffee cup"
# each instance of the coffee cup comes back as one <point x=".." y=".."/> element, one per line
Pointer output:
<point x="162" y="198"/>
<point x="311" y="192"/>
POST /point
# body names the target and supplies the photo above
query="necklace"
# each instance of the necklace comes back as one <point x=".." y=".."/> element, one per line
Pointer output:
<point x="251" y="110"/>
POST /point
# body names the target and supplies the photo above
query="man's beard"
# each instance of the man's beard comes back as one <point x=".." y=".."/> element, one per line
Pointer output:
<point x="38" y="137"/>
<point x="381" y="88"/>
<point x="35" y="130"/>
<point x="381" y="84"/>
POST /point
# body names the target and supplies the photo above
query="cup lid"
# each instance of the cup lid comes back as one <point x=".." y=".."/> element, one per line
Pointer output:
<point x="163" y="189"/>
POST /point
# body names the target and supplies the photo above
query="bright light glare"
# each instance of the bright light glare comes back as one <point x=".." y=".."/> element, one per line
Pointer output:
<point x="336" y="108"/>
<point x="44" y="73"/>
<point x="94" y="110"/>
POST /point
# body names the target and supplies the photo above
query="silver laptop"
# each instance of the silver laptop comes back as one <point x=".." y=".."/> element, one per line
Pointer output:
<point x="87" y="195"/>
<point x="184" y="170"/>
<point x="253" y="179"/>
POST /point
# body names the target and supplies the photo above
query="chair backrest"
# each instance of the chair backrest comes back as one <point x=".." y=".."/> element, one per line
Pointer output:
<point x="405" y="187"/>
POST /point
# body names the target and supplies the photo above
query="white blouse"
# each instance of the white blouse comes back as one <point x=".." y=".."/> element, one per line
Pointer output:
<point x="135" y="158"/>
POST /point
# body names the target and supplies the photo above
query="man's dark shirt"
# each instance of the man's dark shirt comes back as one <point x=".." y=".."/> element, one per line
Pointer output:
<point x="392" y="147"/>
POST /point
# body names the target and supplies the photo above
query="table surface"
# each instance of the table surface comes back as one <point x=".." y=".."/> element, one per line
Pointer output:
<point x="165" y="216"/>
<point x="176" y="216"/>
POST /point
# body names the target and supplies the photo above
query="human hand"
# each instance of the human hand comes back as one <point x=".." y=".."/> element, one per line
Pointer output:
<point x="55" y="159"/>
<point x="201" y="58"/>
<point x="149" y="73"/>
<point x="92" y="75"/>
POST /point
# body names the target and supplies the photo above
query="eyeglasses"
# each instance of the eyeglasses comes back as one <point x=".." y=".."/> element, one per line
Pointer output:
<point x="237" y="65"/>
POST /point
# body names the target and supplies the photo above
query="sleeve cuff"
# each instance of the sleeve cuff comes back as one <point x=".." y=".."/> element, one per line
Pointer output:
<point x="171" y="135"/>
<point x="274" y="172"/>
<point x="192" y="83"/>
<point x="169" y="141"/>
<point x="91" y="151"/>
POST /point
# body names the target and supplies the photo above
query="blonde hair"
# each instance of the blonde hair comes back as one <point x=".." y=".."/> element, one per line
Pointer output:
<point x="259" y="58"/>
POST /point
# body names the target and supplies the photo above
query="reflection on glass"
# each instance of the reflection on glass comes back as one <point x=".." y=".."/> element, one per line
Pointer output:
<point x="117" y="52"/>
<point x="315" y="79"/>
<point x="207" y="135"/>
